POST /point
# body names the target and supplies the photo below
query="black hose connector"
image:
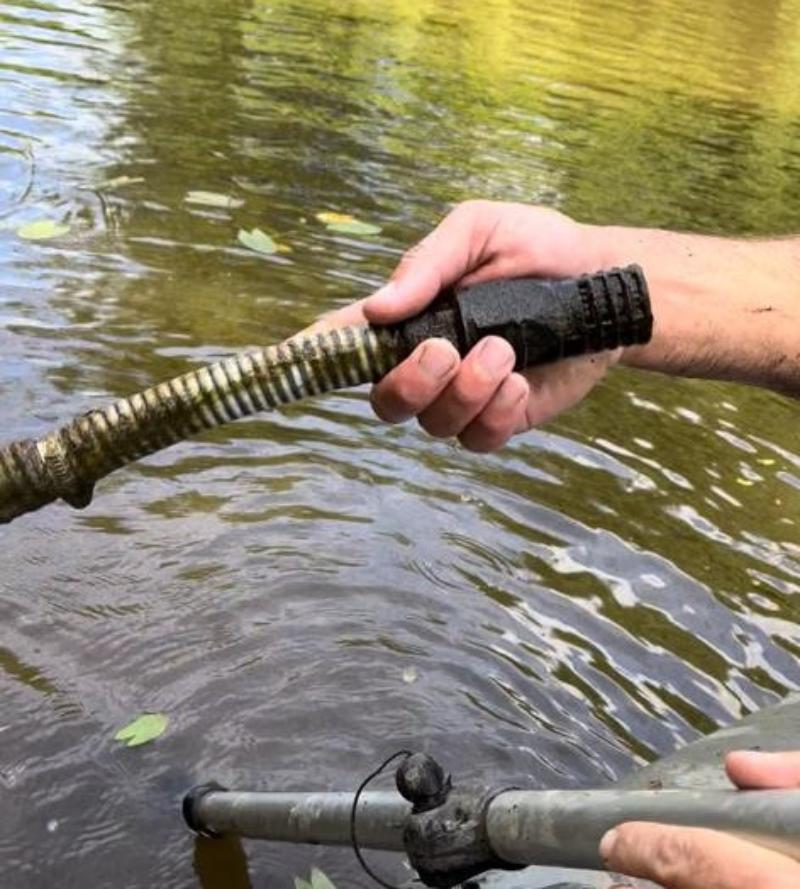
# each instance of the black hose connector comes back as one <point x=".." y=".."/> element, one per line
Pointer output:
<point x="543" y="320"/>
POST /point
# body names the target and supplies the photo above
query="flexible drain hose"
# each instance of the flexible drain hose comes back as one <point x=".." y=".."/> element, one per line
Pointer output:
<point x="543" y="321"/>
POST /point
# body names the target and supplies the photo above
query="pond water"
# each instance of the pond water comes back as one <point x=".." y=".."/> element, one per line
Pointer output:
<point x="306" y="592"/>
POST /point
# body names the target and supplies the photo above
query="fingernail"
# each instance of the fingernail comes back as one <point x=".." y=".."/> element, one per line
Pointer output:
<point x="607" y="844"/>
<point x="436" y="361"/>
<point x="494" y="356"/>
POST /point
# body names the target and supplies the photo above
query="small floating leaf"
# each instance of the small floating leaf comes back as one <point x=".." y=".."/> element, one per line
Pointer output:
<point x="766" y="461"/>
<point x="213" y="199"/>
<point x="143" y="729"/>
<point x="745" y="482"/>
<point x="410" y="675"/>
<point x="319" y="880"/>
<point x="257" y="240"/>
<point x="354" y="227"/>
<point x="122" y="181"/>
<point x="334" y="218"/>
<point x="42" y="230"/>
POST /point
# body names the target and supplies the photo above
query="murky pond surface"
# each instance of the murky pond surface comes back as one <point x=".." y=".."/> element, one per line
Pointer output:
<point x="599" y="592"/>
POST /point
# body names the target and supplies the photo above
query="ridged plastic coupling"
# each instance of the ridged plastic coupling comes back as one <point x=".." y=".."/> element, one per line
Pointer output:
<point x="543" y="320"/>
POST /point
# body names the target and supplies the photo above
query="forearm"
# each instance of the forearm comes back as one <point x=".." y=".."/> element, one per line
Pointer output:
<point x="724" y="309"/>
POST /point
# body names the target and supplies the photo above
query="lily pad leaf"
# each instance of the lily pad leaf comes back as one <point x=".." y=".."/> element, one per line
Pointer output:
<point x="257" y="240"/>
<point x="143" y="729"/>
<point x="354" y="227"/>
<point x="213" y="199"/>
<point x="42" y="230"/>
<point x="319" y="880"/>
<point x="334" y="218"/>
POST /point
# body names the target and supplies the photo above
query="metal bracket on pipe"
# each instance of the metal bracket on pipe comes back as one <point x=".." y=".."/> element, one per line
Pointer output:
<point x="445" y="836"/>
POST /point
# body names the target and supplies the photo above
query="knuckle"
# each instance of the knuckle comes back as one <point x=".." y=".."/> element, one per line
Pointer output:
<point x="676" y="855"/>
<point x="414" y="251"/>
<point x="471" y="207"/>
<point x="465" y="399"/>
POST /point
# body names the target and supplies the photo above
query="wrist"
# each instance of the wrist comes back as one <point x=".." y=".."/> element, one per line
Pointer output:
<point x="723" y="309"/>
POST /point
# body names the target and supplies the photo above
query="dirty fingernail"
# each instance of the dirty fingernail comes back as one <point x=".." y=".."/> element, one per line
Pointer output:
<point x="436" y="361"/>
<point x="607" y="844"/>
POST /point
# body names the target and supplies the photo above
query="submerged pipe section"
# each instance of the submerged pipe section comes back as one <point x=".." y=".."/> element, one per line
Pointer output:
<point x="543" y="321"/>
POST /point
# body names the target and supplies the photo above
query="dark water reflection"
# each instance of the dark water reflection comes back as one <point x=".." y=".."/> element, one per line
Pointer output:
<point x="594" y="595"/>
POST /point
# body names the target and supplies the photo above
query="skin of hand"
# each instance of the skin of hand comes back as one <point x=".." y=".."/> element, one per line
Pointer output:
<point x="723" y="308"/>
<point x="479" y="399"/>
<point x="695" y="858"/>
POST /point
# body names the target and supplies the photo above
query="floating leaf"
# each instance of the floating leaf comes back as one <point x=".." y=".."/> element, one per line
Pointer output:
<point x="122" y="181"/>
<point x="334" y="218"/>
<point x="42" y="230"/>
<point x="319" y="880"/>
<point x="257" y="240"/>
<point x="766" y="461"/>
<point x="143" y="729"/>
<point x="354" y="227"/>
<point x="745" y="482"/>
<point x="213" y="199"/>
<point x="410" y="675"/>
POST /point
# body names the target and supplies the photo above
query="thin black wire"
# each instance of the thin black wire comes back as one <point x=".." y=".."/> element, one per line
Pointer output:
<point x="367" y="869"/>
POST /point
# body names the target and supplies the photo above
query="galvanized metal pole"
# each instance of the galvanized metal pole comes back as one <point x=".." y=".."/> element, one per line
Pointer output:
<point x="318" y="818"/>
<point x="564" y="827"/>
<point x="560" y="828"/>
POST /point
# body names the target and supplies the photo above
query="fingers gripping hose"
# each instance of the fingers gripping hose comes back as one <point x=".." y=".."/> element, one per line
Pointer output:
<point x="543" y="321"/>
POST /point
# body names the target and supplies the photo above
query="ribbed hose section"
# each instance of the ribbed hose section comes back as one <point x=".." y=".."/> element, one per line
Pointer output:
<point x="68" y="462"/>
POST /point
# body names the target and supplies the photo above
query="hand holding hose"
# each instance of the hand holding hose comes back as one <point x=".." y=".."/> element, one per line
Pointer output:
<point x="725" y="309"/>
<point x="696" y="858"/>
<point x="481" y="399"/>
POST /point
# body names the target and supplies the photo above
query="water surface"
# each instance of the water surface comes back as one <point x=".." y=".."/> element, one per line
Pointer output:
<point x="596" y="594"/>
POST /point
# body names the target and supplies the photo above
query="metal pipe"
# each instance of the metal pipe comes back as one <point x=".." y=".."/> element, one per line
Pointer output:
<point x="564" y="827"/>
<point x="317" y="818"/>
<point x="560" y="828"/>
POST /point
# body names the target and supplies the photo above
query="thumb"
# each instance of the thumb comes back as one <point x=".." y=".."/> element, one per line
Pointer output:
<point x="695" y="858"/>
<point x="452" y="249"/>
